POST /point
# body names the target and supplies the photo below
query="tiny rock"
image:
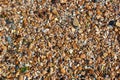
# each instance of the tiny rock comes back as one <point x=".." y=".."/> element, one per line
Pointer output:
<point x="1" y="71"/>
<point x="44" y="72"/>
<point x="83" y="56"/>
<point x="94" y="1"/>
<point x="21" y="77"/>
<point x="116" y="30"/>
<point x="63" y="55"/>
<point x="80" y="68"/>
<point x="118" y="23"/>
<point x="73" y="29"/>
<point x="118" y="38"/>
<point x="9" y="39"/>
<point x="80" y="31"/>
<point x="62" y="70"/>
<point x="0" y="9"/>
<point x="76" y="22"/>
<point x="71" y="51"/>
<point x="98" y="16"/>
<point x="31" y="45"/>
<point x="54" y="11"/>
<point x="63" y="1"/>
<point x="112" y="22"/>
<point x="105" y="54"/>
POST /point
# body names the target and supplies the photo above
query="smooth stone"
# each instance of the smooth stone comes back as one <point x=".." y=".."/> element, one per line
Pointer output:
<point x="76" y="22"/>
<point x="118" y="23"/>
<point x="112" y="22"/>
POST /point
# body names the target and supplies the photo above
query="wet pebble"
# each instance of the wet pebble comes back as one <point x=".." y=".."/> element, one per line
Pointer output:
<point x="95" y="1"/>
<point x="8" y="21"/>
<point x="9" y="39"/>
<point x="112" y="23"/>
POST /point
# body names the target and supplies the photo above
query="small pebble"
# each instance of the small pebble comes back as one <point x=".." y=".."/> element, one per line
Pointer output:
<point x="118" y="23"/>
<point x="23" y="69"/>
<point x="76" y="22"/>
<point x="21" y="77"/>
<point x="94" y="1"/>
<point x="63" y="1"/>
<point x="9" y="39"/>
<point x="73" y="29"/>
<point x="105" y="54"/>
<point x="0" y="9"/>
<point x="83" y="56"/>
<point x="62" y="70"/>
<point x="112" y="22"/>
<point x="71" y="51"/>
<point x="8" y="21"/>
<point x="54" y="11"/>
<point x="53" y="1"/>
<point x="59" y="39"/>
<point x="118" y="38"/>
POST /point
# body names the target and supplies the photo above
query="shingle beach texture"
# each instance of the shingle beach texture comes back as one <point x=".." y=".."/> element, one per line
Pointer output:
<point x="59" y="39"/>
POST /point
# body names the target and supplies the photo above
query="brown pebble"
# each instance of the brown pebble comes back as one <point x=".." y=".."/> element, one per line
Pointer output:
<point x="79" y="68"/>
<point x="63" y="1"/>
<point x="54" y="11"/>
<point x="83" y="56"/>
<point x="44" y="72"/>
<point x="21" y="77"/>
<point x="75" y="46"/>
<point x="28" y="74"/>
<point x="105" y="54"/>
<point x="76" y="22"/>
<point x="62" y="70"/>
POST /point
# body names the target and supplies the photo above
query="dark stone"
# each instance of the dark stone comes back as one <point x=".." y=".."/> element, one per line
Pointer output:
<point x="82" y="77"/>
<point x="26" y="78"/>
<point x="42" y="78"/>
<point x="2" y="78"/>
<point x="40" y="15"/>
<point x="98" y="68"/>
<point x="62" y="78"/>
<point x="11" y="51"/>
<point x="117" y="75"/>
<point x="119" y="14"/>
<point x="101" y="54"/>
<point x="112" y="22"/>
<point x="53" y="47"/>
<point x="92" y="75"/>
<point x="94" y="1"/>
<point x="48" y="70"/>
<point x="8" y="21"/>
<point x="23" y="69"/>
<point x="16" y="67"/>
<point x="36" y="12"/>
<point x="9" y="39"/>
<point x="87" y="61"/>
<point x="118" y="38"/>
<point x="104" y="75"/>
<point x="54" y="1"/>
<point x="1" y="50"/>
<point x="17" y="36"/>
<point x="28" y="44"/>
